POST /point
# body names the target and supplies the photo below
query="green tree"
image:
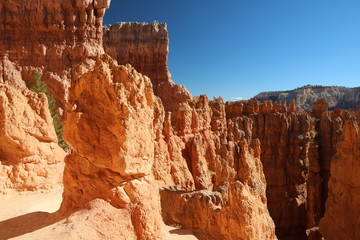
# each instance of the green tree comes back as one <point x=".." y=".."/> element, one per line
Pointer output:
<point x="39" y="86"/>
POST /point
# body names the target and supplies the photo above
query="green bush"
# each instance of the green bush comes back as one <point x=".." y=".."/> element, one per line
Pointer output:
<point x="39" y="86"/>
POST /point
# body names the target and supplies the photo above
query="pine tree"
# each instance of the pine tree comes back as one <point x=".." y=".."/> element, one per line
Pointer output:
<point x="40" y="87"/>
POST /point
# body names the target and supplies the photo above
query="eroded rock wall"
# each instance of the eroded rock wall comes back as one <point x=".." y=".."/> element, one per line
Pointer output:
<point x="287" y="148"/>
<point x="235" y="209"/>
<point x="123" y="141"/>
<point x="30" y="158"/>
<point x="220" y="166"/>
<point x="214" y="168"/>
<point x="341" y="220"/>
<point x="50" y="37"/>
<point x="144" y="46"/>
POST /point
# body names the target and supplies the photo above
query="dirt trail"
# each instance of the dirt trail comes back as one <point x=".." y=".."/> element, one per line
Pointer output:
<point x="33" y="216"/>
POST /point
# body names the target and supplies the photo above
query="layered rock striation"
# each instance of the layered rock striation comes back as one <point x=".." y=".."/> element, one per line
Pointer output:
<point x="296" y="147"/>
<point x="225" y="174"/>
<point x="50" y="37"/>
<point x="145" y="46"/>
<point x="341" y="220"/>
<point x="149" y="148"/>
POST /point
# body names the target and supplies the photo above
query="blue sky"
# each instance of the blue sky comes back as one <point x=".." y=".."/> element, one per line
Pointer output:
<point x="238" y="48"/>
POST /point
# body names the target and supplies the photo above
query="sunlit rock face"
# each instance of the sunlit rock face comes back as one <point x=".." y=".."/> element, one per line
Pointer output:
<point x="110" y="127"/>
<point x="143" y="45"/>
<point x="30" y="158"/>
<point x="296" y="147"/>
<point x="50" y="37"/>
<point x="146" y="146"/>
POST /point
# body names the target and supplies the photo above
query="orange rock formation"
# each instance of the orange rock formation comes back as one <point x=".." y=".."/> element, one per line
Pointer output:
<point x="341" y="220"/>
<point x="150" y="149"/>
<point x="30" y="156"/>
<point x="112" y="134"/>
<point x="296" y="148"/>
<point x="144" y="46"/>
<point x="119" y="156"/>
<point x="50" y="37"/>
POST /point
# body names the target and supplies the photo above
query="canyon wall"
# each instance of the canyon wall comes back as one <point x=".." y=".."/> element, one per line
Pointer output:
<point x="49" y="37"/>
<point x="116" y="133"/>
<point x="341" y="220"/>
<point x="145" y="46"/>
<point x="296" y="147"/>
<point x="287" y="144"/>
<point x="225" y="173"/>
<point x="149" y="148"/>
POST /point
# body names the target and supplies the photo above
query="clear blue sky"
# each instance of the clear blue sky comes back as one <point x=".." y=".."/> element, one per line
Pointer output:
<point x="238" y="48"/>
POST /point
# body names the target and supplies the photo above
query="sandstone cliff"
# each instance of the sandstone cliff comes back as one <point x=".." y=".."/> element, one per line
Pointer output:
<point x="124" y="149"/>
<point x="296" y="148"/>
<point x="287" y="144"/>
<point x="30" y="158"/>
<point x="49" y="37"/>
<point x="225" y="174"/>
<point x="154" y="152"/>
<point x="341" y="220"/>
<point x="143" y="45"/>
<point x="337" y="97"/>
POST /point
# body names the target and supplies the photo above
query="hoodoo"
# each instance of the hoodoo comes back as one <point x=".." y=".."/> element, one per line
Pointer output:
<point x="144" y="153"/>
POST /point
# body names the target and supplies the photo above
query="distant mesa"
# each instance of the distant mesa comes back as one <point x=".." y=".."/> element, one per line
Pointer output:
<point x="335" y="96"/>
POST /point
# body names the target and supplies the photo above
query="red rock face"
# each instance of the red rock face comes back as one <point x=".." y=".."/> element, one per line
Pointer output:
<point x="296" y="148"/>
<point x="144" y="46"/>
<point x="110" y="128"/>
<point x="30" y="158"/>
<point x="225" y="173"/>
<point x="50" y="37"/>
<point x="223" y="168"/>
<point x="122" y="141"/>
<point x="287" y="147"/>
<point x="341" y="220"/>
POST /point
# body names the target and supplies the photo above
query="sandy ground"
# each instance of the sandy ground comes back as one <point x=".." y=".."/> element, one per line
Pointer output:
<point x="33" y="216"/>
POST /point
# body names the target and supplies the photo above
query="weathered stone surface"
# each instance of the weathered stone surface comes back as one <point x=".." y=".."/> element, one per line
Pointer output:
<point x="110" y="128"/>
<point x="287" y="147"/>
<point x="50" y="37"/>
<point x="225" y="174"/>
<point x="122" y="137"/>
<point x="234" y="210"/>
<point x="131" y="134"/>
<point x="146" y="46"/>
<point x="328" y="128"/>
<point x="143" y="45"/>
<point x="341" y="220"/>
<point x="30" y="158"/>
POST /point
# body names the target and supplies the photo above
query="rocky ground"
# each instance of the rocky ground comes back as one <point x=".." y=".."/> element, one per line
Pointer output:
<point x="33" y="216"/>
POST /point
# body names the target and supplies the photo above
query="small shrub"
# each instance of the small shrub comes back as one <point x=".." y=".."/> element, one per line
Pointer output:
<point x="39" y="86"/>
